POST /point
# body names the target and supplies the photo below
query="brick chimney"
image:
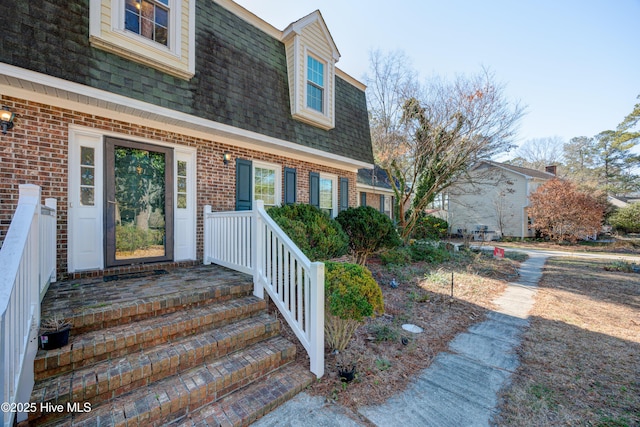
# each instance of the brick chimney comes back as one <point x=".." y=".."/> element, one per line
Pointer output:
<point x="553" y="169"/>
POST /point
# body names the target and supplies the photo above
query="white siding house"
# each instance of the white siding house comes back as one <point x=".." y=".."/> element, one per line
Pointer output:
<point x="493" y="201"/>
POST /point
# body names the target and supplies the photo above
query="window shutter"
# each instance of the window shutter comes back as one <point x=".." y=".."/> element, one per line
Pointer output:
<point x="289" y="186"/>
<point x="381" y="203"/>
<point x="244" y="196"/>
<point x="344" y="194"/>
<point x="314" y="189"/>
<point x="363" y="199"/>
<point x="392" y="212"/>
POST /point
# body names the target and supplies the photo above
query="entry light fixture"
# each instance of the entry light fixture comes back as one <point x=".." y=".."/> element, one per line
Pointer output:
<point x="6" y="119"/>
<point x="226" y="157"/>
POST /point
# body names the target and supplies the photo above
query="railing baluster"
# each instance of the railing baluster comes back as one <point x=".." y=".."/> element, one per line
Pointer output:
<point x="28" y="265"/>
<point x="277" y="265"/>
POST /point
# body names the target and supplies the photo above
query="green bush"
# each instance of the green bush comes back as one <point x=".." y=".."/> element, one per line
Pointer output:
<point x="395" y="256"/>
<point x="627" y="219"/>
<point x="369" y="230"/>
<point x="318" y="236"/>
<point x="429" y="252"/>
<point x="429" y="227"/>
<point x="351" y="295"/>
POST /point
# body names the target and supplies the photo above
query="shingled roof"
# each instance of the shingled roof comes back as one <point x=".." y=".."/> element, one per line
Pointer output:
<point x="240" y="74"/>
<point x="533" y="173"/>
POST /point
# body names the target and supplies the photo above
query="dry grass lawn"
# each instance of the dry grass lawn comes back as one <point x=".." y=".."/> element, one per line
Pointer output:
<point x="581" y="356"/>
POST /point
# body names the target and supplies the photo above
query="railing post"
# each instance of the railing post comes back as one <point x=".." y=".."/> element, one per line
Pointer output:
<point x="53" y="204"/>
<point x="30" y="194"/>
<point x="257" y="248"/>
<point x="206" y="256"/>
<point x="316" y="333"/>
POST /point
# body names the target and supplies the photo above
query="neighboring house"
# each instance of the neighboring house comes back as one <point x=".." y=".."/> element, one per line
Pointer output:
<point x="134" y="124"/>
<point x="374" y="189"/>
<point x="493" y="201"/>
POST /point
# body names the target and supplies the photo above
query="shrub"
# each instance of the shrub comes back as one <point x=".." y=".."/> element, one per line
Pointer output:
<point x="562" y="212"/>
<point x="429" y="252"/>
<point x="351" y="295"/>
<point x="429" y="227"/>
<point x="318" y="236"/>
<point x="627" y="219"/>
<point x="395" y="256"/>
<point x="369" y="230"/>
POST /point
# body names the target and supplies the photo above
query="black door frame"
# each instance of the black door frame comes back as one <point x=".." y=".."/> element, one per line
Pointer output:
<point x="109" y="201"/>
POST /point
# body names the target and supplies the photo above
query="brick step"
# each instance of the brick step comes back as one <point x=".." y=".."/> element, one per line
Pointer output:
<point x="174" y="397"/>
<point x="100" y="315"/>
<point x="247" y="405"/>
<point x="111" y="378"/>
<point x="116" y="342"/>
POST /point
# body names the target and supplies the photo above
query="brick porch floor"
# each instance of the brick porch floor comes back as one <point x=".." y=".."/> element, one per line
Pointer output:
<point x="161" y="347"/>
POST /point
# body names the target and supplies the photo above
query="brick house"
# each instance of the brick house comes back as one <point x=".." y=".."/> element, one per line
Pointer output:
<point x="134" y="115"/>
<point x="161" y="128"/>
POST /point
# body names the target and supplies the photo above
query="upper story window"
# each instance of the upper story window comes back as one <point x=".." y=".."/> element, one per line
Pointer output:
<point x="149" y="18"/>
<point x="156" y="33"/>
<point x="311" y="68"/>
<point x="315" y="84"/>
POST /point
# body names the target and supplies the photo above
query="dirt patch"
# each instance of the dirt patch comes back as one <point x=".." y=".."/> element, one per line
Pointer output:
<point x="581" y="356"/>
<point x="389" y="357"/>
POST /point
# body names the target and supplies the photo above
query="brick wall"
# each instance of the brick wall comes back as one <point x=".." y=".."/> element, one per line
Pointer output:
<point x="35" y="151"/>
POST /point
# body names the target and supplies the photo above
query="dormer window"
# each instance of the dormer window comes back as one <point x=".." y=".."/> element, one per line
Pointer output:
<point x="311" y="67"/>
<point x="149" y="18"/>
<point x="315" y="84"/>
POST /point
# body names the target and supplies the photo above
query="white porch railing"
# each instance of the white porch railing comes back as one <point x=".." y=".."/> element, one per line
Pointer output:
<point x="251" y="242"/>
<point x="27" y="266"/>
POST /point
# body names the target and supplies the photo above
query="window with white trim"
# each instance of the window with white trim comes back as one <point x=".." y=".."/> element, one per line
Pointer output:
<point x="311" y="59"/>
<point x="157" y="33"/>
<point x="315" y="84"/>
<point x="329" y="194"/>
<point x="148" y="18"/>
<point x="387" y="206"/>
<point x="267" y="183"/>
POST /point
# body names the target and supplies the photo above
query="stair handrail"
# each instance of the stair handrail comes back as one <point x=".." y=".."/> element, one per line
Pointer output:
<point x="24" y="275"/>
<point x="261" y="248"/>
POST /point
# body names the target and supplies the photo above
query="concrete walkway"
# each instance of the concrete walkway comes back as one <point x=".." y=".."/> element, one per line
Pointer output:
<point x="459" y="388"/>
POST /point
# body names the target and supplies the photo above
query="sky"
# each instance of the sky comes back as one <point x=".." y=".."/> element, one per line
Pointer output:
<point x="575" y="64"/>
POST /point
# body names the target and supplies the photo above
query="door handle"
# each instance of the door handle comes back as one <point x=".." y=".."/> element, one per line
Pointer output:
<point x="109" y="201"/>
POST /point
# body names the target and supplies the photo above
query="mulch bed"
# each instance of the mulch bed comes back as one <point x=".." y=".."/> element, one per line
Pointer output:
<point x="387" y="356"/>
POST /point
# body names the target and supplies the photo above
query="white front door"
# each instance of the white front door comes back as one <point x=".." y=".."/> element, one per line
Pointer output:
<point x="185" y="206"/>
<point x="86" y="183"/>
<point x="86" y="227"/>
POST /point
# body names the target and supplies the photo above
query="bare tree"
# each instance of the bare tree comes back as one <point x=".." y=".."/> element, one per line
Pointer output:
<point x="454" y="125"/>
<point x="392" y="81"/>
<point x="539" y="152"/>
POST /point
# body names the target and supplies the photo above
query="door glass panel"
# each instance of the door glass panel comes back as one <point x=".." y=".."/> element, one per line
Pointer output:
<point x="87" y="176"/>
<point x="139" y="203"/>
<point x="182" y="184"/>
